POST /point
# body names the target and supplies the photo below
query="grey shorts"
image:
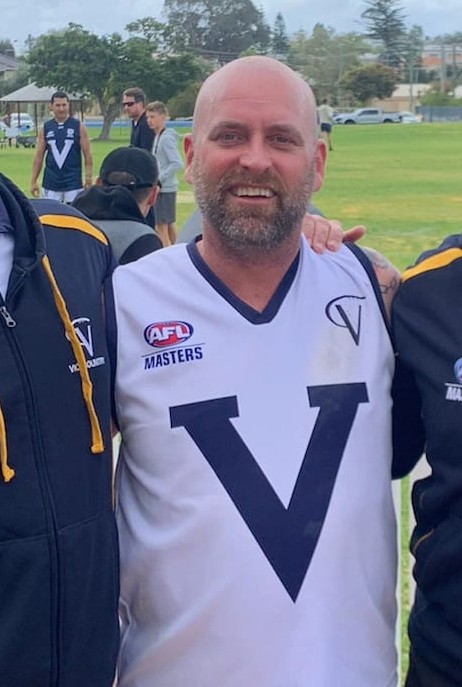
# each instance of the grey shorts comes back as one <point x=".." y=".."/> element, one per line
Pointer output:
<point x="165" y="208"/>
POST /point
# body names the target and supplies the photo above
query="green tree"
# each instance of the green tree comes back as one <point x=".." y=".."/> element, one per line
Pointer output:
<point x="7" y="47"/>
<point x="434" y="97"/>
<point x="324" y="56"/>
<point x="370" y="81"/>
<point x="101" y="67"/>
<point x="182" y="104"/>
<point x="155" y="32"/>
<point x="412" y="53"/>
<point x="449" y="38"/>
<point x="78" y="61"/>
<point x="280" y="43"/>
<point x="385" y="22"/>
<point x="217" y="28"/>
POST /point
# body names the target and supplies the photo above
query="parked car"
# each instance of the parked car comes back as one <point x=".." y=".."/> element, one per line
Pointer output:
<point x="410" y="117"/>
<point x="20" y="133"/>
<point x="367" y="115"/>
<point x="21" y="120"/>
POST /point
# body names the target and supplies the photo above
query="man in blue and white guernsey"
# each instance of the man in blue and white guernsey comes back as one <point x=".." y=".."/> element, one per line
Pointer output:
<point x="257" y="531"/>
<point x="62" y="141"/>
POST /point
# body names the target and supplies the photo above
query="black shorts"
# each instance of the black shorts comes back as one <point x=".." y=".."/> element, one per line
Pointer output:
<point x="326" y="127"/>
<point x="421" y="674"/>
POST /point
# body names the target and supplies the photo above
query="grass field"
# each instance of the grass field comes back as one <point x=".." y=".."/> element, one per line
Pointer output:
<point x="404" y="182"/>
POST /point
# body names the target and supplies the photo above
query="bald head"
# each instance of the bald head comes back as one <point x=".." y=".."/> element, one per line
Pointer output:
<point x="254" y="157"/>
<point x="255" y="78"/>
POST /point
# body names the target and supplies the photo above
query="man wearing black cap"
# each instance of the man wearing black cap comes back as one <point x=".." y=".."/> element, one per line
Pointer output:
<point x="125" y="191"/>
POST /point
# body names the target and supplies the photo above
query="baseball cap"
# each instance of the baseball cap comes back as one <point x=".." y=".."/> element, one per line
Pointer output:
<point x="130" y="167"/>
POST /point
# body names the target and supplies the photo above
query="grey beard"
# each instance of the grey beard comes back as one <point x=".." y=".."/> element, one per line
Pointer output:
<point x="251" y="229"/>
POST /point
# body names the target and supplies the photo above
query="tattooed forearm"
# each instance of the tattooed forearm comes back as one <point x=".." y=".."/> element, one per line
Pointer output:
<point x="391" y="286"/>
<point x="387" y="275"/>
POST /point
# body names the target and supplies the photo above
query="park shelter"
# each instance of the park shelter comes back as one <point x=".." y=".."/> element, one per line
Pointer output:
<point x="38" y="96"/>
<point x="8" y="67"/>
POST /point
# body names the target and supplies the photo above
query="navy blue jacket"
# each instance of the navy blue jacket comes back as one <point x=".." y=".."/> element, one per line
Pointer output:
<point x="142" y="136"/>
<point x="428" y="335"/>
<point x="58" y="543"/>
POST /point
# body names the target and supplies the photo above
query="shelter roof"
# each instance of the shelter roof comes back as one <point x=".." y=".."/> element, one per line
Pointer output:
<point x="35" y="94"/>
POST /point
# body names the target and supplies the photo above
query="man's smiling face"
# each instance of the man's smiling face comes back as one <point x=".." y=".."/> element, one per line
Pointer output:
<point x="254" y="159"/>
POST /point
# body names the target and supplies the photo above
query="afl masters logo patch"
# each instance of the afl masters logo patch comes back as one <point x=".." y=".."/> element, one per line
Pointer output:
<point x="163" y="334"/>
<point x="454" y="391"/>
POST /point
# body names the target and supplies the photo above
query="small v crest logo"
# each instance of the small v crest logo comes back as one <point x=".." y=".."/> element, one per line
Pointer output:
<point x="345" y="311"/>
<point x="287" y="536"/>
<point x="82" y="326"/>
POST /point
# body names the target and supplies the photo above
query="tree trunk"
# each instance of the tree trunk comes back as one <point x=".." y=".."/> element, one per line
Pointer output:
<point x="109" y="112"/>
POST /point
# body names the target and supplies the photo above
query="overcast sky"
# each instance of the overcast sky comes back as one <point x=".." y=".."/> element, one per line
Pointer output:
<point x="20" y="18"/>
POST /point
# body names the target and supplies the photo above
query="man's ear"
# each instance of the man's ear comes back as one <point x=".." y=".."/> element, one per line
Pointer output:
<point x="189" y="155"/>
<point x="98" y="182"/>
<point x="321" y="155"/>
<point x="153" y="193"/>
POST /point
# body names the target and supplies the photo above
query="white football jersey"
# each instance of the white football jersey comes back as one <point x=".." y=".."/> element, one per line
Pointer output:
<point x="256" y="521"/>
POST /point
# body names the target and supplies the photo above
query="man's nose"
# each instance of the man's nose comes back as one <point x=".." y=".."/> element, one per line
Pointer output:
<point x="256" y="155"/>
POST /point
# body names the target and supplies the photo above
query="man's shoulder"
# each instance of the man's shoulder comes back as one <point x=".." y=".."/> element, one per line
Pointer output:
<point x="436" y="261"/>
<point x="143" y="120"/>
<point x="55" y="215"/>
<point x="153" y="266"/>
<point x="73" y="121"/>
<point x="170" y="132"/>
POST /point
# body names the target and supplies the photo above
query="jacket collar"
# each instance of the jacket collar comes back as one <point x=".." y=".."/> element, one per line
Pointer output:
<point x="28" y="233"/>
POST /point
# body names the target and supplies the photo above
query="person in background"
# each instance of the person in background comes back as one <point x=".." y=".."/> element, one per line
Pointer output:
<point x="62" y="141"/>
<point x="165" y="149"/>
<point x="58" y="541"/>
<point x="134" y="104"/>
<point x="257" y="529"/>
<point x="125" y="191"/>
<point x="326" y="122"/>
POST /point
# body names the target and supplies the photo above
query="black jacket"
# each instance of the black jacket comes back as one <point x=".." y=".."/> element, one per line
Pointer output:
<point x="141" y="135"/>
<point x="428" y="334"/>
<point x="58" y="543"/>
<point x="116" y="211"/>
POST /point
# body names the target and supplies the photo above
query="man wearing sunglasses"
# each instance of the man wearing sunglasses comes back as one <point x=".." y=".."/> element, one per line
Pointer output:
<point x="134" y="104"/>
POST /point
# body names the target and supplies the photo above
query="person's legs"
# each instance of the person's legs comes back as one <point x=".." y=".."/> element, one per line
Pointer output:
<point x="326" y="134"/>
<point x="165" y="218"/>
<point x="329" y="140"/>
<point x="162" y="233"/>
<point x="172" y="232"/>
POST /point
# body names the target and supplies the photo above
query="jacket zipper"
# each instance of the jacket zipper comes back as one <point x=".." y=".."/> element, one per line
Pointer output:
<point x="10" y="322"/>
<point x="44" y="485"/>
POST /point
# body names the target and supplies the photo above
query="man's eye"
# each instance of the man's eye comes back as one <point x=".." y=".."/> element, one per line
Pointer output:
<point x="281" y="140"/>
<point x="229" y="137"/>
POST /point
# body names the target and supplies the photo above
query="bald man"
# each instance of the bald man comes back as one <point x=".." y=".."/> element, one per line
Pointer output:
<point x="253" y="382"/>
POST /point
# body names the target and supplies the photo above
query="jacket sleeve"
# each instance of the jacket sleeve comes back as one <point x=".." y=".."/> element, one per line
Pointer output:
<point x="408" y="427"/>
<point x="172" y="155"/>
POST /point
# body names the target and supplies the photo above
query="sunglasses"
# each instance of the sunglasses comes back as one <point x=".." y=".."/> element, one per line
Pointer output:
<point x="129" y="103"/>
